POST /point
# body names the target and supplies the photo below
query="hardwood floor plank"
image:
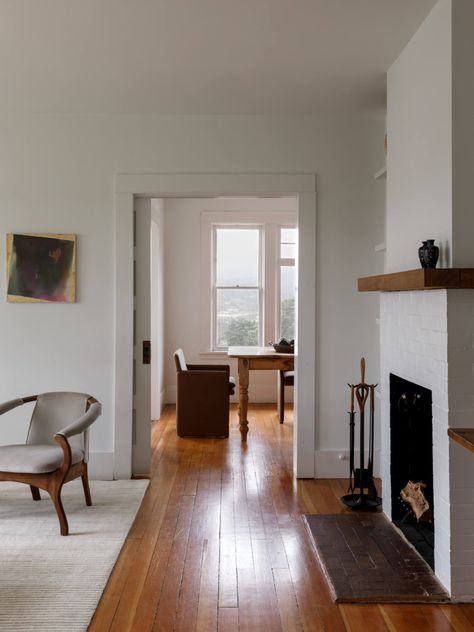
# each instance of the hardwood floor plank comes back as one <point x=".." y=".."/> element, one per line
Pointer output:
<point x="187" y="610"/>
<point x="108" y="605"/>
<point x="287" y="604"/>
<point x="457" y="618"/>
<point x="209" y="488"/>
<point x="437" y="620"/>
<point x="228" y="620"/>
<point x="253" y="611"/>
<point x="266" y="592"/>
<point x="468" y="611"/>
<point x="167" y="606"/>
<point x="363" y="618"/>
<point x="414" y="618"/>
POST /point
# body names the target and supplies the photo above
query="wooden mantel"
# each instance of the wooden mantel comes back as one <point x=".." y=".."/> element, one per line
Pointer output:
<point x="420" y="279"/>
<point x="463" y="436"/>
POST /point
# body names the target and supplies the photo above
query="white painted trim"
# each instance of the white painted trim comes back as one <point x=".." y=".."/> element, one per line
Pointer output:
<point x="208" y="185"/>
<point x="305" y="388"/>
<point x="179" y="185"/>
<point x="101" y="466"/>
<point x="252" y="218"/>
<point x="268" y="223"/>
<point x="335" y="463"/>
<point x="212" y="355"/>
<point x="123" y="335"/>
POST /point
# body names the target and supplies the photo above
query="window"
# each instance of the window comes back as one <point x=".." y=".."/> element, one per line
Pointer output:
<point x="287" y="282"/>
<point x="237" y="293"/>
<point x="248" y="276"/>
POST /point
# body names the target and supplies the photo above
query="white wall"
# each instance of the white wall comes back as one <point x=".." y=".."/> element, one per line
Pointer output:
<point x="56" y="175"/>
<point x="463" y="132"/>
<point x="184" y="296"/>
<point x="419" y="174"/>
<point x="157" y="307"/>
<point x="431" y="140"/>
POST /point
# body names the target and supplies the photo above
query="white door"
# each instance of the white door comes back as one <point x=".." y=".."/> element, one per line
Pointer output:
<point x="141" y="450"/>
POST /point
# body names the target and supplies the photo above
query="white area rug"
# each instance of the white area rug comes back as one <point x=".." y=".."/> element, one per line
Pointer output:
<point x="53" y="583"/>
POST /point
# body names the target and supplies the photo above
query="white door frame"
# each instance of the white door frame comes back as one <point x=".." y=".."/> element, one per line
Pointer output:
<point x="126" y="188"/>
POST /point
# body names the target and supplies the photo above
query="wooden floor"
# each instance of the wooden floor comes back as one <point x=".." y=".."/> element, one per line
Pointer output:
<point x="219" y="544"/>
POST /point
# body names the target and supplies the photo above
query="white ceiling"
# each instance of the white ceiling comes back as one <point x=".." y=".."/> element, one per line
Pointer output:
<point x="200" y="56"/>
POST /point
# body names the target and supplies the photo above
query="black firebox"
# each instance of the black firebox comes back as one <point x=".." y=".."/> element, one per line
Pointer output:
<point x="411" y="459"/>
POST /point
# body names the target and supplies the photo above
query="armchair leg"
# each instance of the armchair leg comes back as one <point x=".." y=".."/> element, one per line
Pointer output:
<point x="55" y="494"/>
<point x="85" y="485"/>
<point x="35" y="492"/>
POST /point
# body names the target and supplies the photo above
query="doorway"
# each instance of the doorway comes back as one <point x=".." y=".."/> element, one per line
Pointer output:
<point x="128" y="189"/>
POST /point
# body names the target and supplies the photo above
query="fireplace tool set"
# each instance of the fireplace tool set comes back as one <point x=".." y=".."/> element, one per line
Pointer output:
<point x="362" y="493"/>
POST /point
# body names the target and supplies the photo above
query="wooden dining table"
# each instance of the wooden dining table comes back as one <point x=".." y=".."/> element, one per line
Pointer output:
<point x="259" y="359"/>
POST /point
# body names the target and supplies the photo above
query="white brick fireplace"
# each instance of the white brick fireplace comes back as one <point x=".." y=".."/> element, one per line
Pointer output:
<point x="427" y="337"/>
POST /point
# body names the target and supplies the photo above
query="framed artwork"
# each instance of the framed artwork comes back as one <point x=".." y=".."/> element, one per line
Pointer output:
<point x="41" y="268"/>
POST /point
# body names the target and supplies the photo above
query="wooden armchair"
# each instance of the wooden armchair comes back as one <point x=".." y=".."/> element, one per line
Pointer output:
<point x="202" y="404"/>
<point x="61" y="418"/>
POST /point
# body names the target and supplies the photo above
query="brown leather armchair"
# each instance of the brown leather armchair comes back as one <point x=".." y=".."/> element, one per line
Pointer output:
<point x="202" y="405"/>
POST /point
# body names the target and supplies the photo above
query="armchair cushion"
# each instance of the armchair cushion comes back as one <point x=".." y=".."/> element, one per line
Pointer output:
<point x="34" y="459"/>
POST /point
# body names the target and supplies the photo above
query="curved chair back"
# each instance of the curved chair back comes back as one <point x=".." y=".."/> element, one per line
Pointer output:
<point x="53" y="412"/>
<point x="179" y="360"/>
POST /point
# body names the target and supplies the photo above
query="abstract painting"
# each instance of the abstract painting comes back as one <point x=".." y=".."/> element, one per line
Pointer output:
<point x="41" y="268"/>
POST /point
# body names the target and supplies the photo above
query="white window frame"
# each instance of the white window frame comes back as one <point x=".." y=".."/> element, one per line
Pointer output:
<point x="270" y="221"/>
<point x="284" y="262"/>
<point x="260" y="281"/>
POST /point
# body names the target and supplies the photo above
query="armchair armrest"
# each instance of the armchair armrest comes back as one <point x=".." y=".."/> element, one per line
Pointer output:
<point x="10" y="405"/>
<point x="81" y="424"/>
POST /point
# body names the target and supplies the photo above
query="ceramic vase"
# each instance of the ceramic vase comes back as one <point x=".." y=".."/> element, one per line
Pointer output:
<point x="421" y="254"/>
<point x="430" y="254"/>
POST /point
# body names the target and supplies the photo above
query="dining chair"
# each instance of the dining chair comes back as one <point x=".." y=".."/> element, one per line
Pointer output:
<point x="202" y="403"/>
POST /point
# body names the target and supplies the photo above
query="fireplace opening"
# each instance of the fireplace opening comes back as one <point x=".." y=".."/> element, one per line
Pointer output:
<point x="411" y="464"/>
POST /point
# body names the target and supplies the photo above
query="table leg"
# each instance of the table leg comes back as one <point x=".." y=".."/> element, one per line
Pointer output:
<point x="243" y="397"/>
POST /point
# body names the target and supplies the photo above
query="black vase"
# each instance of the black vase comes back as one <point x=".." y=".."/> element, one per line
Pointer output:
<point x="430" y="254"/>
<point x="421" y="254"/>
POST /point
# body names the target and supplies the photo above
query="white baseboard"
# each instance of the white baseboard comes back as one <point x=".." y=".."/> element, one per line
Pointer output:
<point x="101" y="466"/>
<point x="335" y="463"/>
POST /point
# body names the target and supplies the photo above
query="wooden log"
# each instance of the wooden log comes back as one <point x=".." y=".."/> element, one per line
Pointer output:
<point x="413" y="495"/>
